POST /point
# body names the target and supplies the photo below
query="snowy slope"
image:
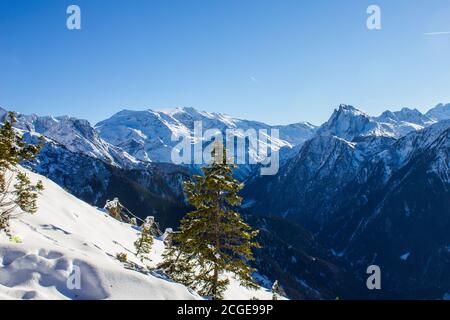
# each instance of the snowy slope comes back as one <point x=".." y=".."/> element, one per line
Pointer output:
<point x="77" y="135"/>
<point x="349" y="123"/>
<point x="67" y="232"/>
<point x="146" y="135"/>
<point x="440" y="112"/>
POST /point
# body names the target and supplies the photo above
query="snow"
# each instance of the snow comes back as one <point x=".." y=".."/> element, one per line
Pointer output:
<point x="148" y="134"/>
<point x="440" y="112"/>
<point x="397" y="154"/>
<point x="248" y="203"/>
<point x="337" y="254"/>
<point x="405" y="256"/>
<point x="66" y="234"/>
<point x="349" y="123"/>
<point x="170" y="111"/>
<point x="129" y="137"/>
<point x="77" y="135"/>
<point x="407" y="210"/>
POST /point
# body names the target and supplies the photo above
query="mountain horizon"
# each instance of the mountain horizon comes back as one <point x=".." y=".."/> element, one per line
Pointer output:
<point x="439" y="107"/>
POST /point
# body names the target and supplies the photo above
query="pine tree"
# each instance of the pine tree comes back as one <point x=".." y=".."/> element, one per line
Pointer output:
<point x="179" y="265"/>
<point x="26" y="194"/>
<point x="23" y="194"/>
<point x="144" y="243"/>
<point x="213" y="239"/>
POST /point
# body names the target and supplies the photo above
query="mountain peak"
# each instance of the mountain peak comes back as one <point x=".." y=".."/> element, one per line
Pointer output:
<point x="410" y="112"/>
<point x="3" y="113"/>
<point x="346" y="122"/>
<point x="408" y="115"/>
<point x="172" y="111"/>
<point x="440" y="112"/>
<point x="347" y="107"/>
<point x="77" y="135"/>
<point x="348" y="111"/>
<point x="406" y="109"/>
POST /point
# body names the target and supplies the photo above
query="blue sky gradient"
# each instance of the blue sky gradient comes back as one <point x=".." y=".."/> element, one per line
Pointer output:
<point x="274" y="61"/>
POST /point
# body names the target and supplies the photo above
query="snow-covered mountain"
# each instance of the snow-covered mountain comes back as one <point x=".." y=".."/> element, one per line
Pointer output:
<point x="406" y="115"/>
<point x="129" y="139"/>
<point x="76" y="135"/>
<point x="348" y="123"/>
<point x="396" y="214"/>
<point x="154" y="189"/>
<point x="68" y="236"/>
<point x="146" y="135"/>
<point x="371" y="198"/>
<point x="440" y="112"/>
<point x="334" y="156"/>
<point x="75" y="157"/>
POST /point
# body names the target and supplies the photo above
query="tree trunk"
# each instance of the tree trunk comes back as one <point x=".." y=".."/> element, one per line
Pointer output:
<point x="216" y="264"/>
<point x="215" y="282"/>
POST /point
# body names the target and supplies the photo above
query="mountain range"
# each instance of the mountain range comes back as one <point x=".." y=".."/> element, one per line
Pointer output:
<point x="372" y="196"/>
<point x="355" y="191"/>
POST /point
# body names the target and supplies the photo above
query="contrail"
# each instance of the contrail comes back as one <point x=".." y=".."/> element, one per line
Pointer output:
<point x="436" y="33"/>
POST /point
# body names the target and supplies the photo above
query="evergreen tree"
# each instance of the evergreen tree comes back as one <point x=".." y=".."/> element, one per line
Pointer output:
<point x="144" y="243"/>
<point x="213" y="239"/>
<point x="23" y="194"/>
<point x="179" y="265"/>
<point x="26" y="194"/>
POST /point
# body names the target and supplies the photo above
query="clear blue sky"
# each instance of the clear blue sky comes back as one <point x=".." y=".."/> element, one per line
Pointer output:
<point x="278" y="61"/>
